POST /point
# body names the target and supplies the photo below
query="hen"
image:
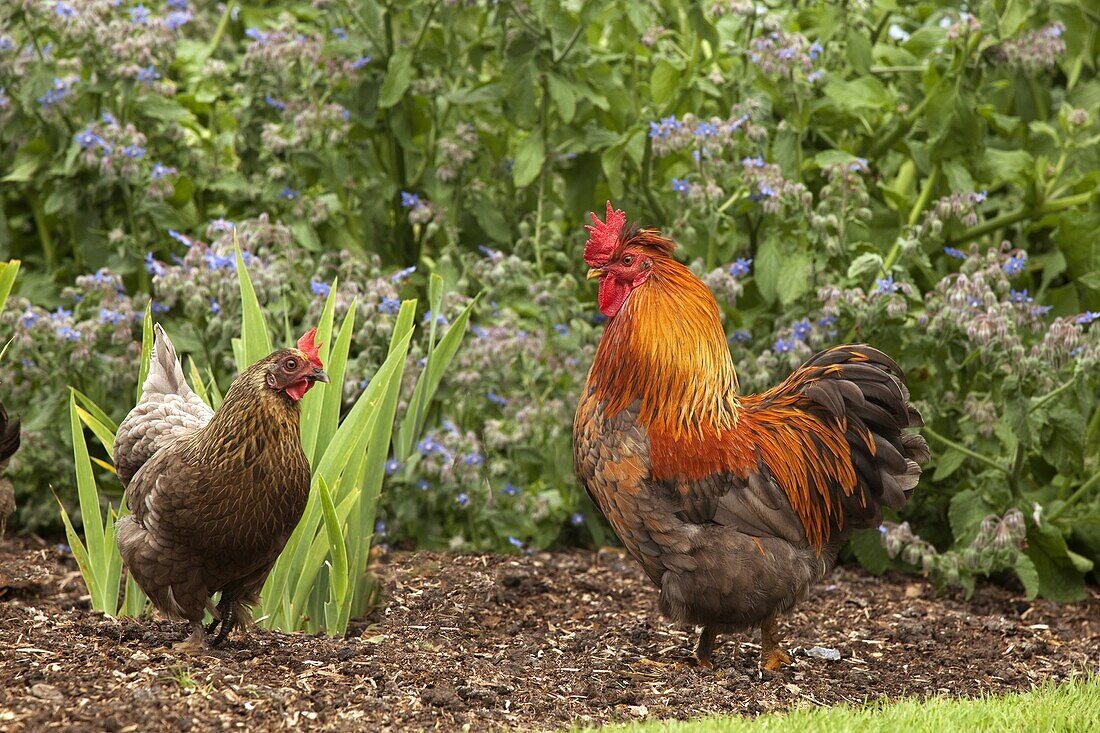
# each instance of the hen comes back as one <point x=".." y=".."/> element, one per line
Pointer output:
<point x="9" y="443"/>
<point x="733" y="504"/>
<point x="214" y="495"/>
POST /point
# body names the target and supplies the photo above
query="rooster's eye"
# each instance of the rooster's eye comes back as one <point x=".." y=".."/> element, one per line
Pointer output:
<point x="291" y="363"/>
<point x="628" y="260"/>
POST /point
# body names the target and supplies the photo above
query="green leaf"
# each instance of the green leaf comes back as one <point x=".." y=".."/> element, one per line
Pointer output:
<point x="8" y="271"/>
<point x="865" y="264"/>
<point x="966" y="512"/>
<point x="1028" y="575"/>
<point x="313" y="403"/>
<point x="664" y="80"/>
<point x="863" y="93"/>
<point x="867" y="546"/>
<point x="947" y="463"/>
<point x="147" y="341"/>
<point x="338" y="573"/>
<point x="399" y="74"/>
<point x="255" y="338"/>
<point x="529" y="159"/>
<point x="563" y="96"/>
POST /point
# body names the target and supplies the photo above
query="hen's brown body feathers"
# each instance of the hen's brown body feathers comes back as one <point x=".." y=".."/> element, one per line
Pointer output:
<point x="9" y="443"/>
<point x="734" y="505"/>
<point x="214" y="496"/>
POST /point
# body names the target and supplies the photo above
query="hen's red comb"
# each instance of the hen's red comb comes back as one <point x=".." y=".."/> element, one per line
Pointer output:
<point x="603" y="236"/>
<point x="309" y="348"/>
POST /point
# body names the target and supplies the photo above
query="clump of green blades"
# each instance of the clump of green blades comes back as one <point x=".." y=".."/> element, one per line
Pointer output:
<point x="320" y="581"/>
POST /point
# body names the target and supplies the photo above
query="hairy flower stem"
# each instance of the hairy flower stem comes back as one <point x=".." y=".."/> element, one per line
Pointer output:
<point x="219" y="32"/>
<point x="1075" y="497"/>
<point x="1048" y="207"/>
<point x="963" y="449"/>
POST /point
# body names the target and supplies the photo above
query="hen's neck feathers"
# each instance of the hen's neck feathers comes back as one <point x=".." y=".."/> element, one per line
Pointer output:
<point x="251" y="410"/>
<point x="666" y="349"/>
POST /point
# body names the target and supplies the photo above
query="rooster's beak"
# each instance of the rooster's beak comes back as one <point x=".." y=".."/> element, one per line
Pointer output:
<point x="594" y="274"/>
<point x="318" y="375"/>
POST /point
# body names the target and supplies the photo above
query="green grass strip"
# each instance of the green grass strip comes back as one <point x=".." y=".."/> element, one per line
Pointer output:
<point x="1070" y="707"/>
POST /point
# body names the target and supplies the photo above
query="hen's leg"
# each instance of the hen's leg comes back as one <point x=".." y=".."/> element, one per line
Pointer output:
<point x="196" y="642"/>
<point x="705" y="647"/>
<point x="771" y="656"/>
<point x="228" y="609"/>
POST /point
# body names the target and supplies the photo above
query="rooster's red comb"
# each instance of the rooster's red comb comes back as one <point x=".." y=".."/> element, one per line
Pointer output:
<point x="603" y="236"/>
<point x="307" y="346"/>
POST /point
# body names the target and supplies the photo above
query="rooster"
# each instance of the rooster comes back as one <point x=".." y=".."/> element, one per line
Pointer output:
<point x="214" y="495"/>
<point x="733" y="504"/>
<point x="9" y="443"/>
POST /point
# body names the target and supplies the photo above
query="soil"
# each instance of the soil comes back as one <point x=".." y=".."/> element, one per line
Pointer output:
<point x="541" y="641"/>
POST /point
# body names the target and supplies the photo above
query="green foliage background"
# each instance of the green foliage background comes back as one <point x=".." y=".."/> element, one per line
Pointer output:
<point x="859" y="149"/>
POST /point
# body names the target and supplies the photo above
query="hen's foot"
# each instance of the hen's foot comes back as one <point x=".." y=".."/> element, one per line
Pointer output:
<point x="228" y="611"/>
<point x="193" y="644"/>
<point x="771" y="656"/>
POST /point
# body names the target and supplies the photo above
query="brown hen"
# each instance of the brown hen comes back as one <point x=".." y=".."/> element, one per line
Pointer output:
<point x="214" y="495"/>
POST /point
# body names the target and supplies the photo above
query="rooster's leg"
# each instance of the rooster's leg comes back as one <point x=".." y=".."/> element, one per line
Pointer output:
<point x="771" y="656"/>
<point x="705" y="647"/>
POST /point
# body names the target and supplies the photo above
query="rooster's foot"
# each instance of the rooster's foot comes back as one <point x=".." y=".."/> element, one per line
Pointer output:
<point x="775" y="659"/>
<point x="771" y="656"/>
<point x="703" y="651"/>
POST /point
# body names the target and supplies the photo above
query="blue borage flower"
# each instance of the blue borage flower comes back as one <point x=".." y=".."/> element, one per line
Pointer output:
<point x="741" y="337"/>
<point x="741" y="267"/>
<point x="680" y="185"/>
<point x="320" y="289"/>
<point x="1015" y="264"/>
<point x="462" y="499"/>
<point x="496" y="399"/>
<point x="801" y="329"/>
<point x="215" y="307"/>
<point x="274" y="103"/>
<point x="510" y="489"/>
<point x="392" y="465"/>
<point x="885" y="286"/>
<point x="576" y="519"/>
<point x="139" y="15"/>
<point x="153" y="267"/>
<point x="147" y="75"/>
<point x="1086" y="318"/>
<point x="411" y="200"/>
<point x="389" y="306"/>
<point x="515" y="542"/>
<point x="783" y="346"/>
<point x="958" y="254"/>
<point x="402" y="275"/>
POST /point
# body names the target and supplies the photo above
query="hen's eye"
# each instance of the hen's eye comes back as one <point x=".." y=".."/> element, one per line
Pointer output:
<point x="291" y="363"/>
<point x="628" y="260"/>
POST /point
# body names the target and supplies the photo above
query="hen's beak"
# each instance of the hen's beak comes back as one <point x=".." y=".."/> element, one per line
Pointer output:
<point x="318" y="375"/>
<point x="594" y="274"/>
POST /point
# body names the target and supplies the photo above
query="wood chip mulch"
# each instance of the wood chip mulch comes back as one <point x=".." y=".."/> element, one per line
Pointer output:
<point x="489" y="642"/>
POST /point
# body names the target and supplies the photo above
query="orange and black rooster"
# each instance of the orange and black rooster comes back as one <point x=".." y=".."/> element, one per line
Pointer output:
<point x="733" y="504"/>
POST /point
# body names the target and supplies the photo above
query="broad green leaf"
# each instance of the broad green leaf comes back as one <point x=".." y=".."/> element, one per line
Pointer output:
<point x="399" y="74"/>
<point x="664" y="81"/>
<point x="529" y="159"/>
<point x="947" y="463"/>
